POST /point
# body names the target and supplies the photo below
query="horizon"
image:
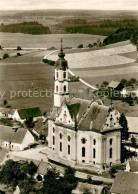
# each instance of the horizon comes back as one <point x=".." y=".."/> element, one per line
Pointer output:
<point x="116" y="5"/>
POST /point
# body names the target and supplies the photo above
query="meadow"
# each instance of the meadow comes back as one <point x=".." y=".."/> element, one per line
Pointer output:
<point x="12" y="40"/>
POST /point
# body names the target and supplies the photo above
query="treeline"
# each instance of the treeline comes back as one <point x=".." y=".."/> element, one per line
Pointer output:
<point x="26" y="28"/>
<point x="122" y="34"/>
<point x="103" y="27"/>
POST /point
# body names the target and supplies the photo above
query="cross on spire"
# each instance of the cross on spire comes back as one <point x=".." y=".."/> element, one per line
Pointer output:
<point x="61" y="45"/>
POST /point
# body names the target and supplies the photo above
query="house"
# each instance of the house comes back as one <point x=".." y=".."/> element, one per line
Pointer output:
<point x="125" y="183"/>
<point x="3" y="155"/>
<point x="80" y="131"/>
<point x="42" y="169"/>
<point x="41" y="127"/>
<point x="15" y="138"/>
<point x="115" y="85"/>
<point x="133" y="127"/>
<point x="25" y="114"/>
<point x="90" y="188"/>
<point x="132" y="166"/>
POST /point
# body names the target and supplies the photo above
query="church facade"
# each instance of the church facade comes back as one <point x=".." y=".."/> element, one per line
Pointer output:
<point x="81" y="131"/>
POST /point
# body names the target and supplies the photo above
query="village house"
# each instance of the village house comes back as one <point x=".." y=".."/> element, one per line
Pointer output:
<point x="81" y="131"/>
<point x="133" y="127"/>
<point x="16" y="139"/>
<point x="132" y="166"/>
<point x="26" y="114"/>
<point x="115" y="85"/>
<point x="125" y="183"/>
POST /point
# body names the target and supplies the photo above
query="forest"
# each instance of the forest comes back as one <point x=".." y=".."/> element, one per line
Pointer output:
<point x="33" y="28"/>
<point x="103" y="27"/>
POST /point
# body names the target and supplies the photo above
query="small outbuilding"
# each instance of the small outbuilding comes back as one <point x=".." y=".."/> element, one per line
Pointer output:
<point x="116" y="85"/>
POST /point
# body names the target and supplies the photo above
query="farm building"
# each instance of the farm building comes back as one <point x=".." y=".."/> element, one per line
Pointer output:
<point x="15" y="138"/>
<point x="132" y="166"/>
<point x="125" y="183"/>
<point x="25" y="114"/>
<point x="81" y="131"/>
<point x="133" y="127"/>
<point x="115" y="85"/>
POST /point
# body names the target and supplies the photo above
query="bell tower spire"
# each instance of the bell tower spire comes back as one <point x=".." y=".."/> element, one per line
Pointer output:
<point x="61" y="91"/>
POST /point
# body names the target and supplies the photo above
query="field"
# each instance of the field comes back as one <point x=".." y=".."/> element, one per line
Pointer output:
<point x="27" y="72"/>
<point x="12" y="40"/>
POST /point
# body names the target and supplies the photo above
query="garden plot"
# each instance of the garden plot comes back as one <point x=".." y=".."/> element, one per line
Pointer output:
<point x="104" y="57"/>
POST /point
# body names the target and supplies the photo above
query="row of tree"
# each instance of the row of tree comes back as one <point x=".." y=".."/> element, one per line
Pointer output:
<point x="26" y="28"/>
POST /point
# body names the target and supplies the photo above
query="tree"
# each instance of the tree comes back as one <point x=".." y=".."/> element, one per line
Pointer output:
<point x="69" y="175"/>
<point x="124" y="124"/>
<point x="134" y="39"/>
<point x="133" y="141"/>
<point x="5" y="56"/>
<point x="80" y="46"/>
<point x="19" y="48"/>
<point x="18" y="54"/>
<point x="124" y="82"/>
<point x="5" y="102"/>
<point x="1" y="47"/>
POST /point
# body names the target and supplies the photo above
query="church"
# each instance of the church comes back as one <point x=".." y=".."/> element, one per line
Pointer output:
<point x="80" y="131"/>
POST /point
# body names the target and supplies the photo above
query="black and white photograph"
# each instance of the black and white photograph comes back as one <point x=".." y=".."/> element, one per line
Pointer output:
<point x="69" y="97"/>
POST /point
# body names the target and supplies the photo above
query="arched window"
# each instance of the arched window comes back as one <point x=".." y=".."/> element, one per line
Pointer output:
<point x="94" y="142"/>
<point x="53" y="130"/>
<point x="83" y="140"/>
<point x="60" y="147"/>
<point x="83" y="151"/>
<point x="69" y="138"/>
<point x="60" y="135"/>
<point x="56" y="88"/>
<point x="111" y="141"/>
<point x="64" y="74"/>
<point x="110" y="153"/>
<point x="53" y="140"/>
<point x="65" y="88"/>
<point x="68" y="149"/>
<point x="65" y="118"/>
<point x="94" y="153"/>
<point x="57" y="75"/>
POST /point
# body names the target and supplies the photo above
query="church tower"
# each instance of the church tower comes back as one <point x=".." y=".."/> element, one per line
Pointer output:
<point x="61" y="90"/>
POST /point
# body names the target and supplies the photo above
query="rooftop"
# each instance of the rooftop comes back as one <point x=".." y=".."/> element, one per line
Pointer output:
<point x="133" y="165"/>
<point x="3" y="153"/>
<point x="11" y="135"/>
<point x="29" y="112"/>
<point x="132" y="124"/>
<point x="125" y="183"/>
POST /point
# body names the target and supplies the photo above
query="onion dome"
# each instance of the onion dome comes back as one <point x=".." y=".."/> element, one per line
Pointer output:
<point x="61" y="63"/>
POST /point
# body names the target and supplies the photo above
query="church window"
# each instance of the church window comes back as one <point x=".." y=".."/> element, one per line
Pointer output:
<point x="111" y="141"/>
<point x="69" y="138"/>
<point x="56" y="88"/>
<point x="94" y="153"/>
<point x="64" y="74"/>
<point x="60" y="147"/>
<point x="60" y="135"/>
<point x="83" y="151"/>
<point x="57" y="75"/>
<point x="94" y="142"/>
<point x="53" y="130"/>
<point x="83" y="140"/>
<point x="65" y="88"/>
<point x="68" y="149"/>
<point x="65" y="118"/>
<point x="53" y="140"/>
<point x="110" y="153"/>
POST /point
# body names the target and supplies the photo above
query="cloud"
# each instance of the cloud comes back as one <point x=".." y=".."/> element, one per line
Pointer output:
<point x="69" y="4"/>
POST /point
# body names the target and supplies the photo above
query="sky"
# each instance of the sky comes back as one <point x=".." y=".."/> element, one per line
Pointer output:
<point x="69" y="4"/>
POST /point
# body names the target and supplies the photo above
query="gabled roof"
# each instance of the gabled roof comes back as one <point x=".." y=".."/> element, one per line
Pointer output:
<point x="125" y="183"/>
<point x="94" y="118"/>
<point x="10" y="135"/>
<point x="114" y="84"/>
<point x="132" y="124"/>
<point x="41" y="127"/>
<point x="133" y="165"/>
<point x="42" y="168"/>
<point x="3" y="153"/>
<point x="90" y="115"/>
<point x="29" y="112"/>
